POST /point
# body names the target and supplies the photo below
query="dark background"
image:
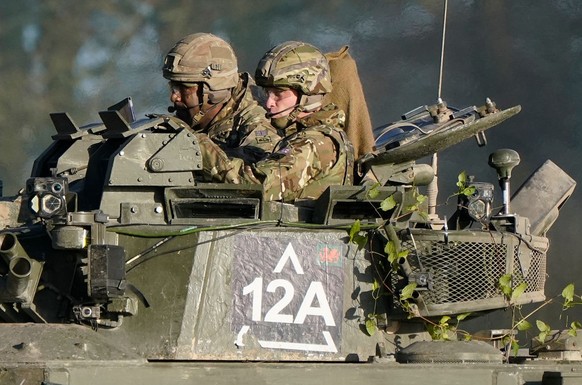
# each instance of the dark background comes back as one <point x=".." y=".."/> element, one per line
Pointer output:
<point x="81" y="57"/>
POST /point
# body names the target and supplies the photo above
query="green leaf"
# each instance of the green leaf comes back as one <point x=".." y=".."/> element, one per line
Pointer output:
<point x="390" y="250"/>
<point x="462" y="180"/>
<point x="408" y="291"/>
<point x="542" y="326"/>
<point x="420" y="198"/>
<point x="505" y="284"/>
<point x="468" y="191"/>
<point x="361" y="241"/>
<point x="518" y="291"/>
<point x="514" y="348"/>
<point x="574" y="326"/>
<point x="371" y="325"/>
<point x="444" y="320"/>
<point x="505" y="280"/>
<point x="461" y="317"/>
<point x="388" y="203"/>
<point x="374" y="191"/>
<point x="568" y="293"/>
<point x="355" y="230"/>
<point x="375" y="285"/>
<point x="524" y="325"/>
<point x="403" y="254"/>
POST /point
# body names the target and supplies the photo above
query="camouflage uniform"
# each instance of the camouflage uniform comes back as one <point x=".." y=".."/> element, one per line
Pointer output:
<point x="314" y="153"/>
<point x="241" y="128"/>
<point x="208" y="62"/>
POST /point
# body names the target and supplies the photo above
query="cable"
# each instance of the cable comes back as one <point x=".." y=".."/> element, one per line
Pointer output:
<point x="443" y="50"/>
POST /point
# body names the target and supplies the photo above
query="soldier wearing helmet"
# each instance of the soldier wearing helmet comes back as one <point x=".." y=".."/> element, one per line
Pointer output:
<point x="209" y="94"/>
<point x="314" y="152"/>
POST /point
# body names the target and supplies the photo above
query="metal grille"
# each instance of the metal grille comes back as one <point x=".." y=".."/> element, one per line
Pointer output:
<point x="463" y="273"/>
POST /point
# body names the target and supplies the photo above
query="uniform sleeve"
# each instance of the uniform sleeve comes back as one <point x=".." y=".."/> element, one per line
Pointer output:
<point x="216" y="165"/>
<point x="286" y="172"/>
<point x="257" y="138"/>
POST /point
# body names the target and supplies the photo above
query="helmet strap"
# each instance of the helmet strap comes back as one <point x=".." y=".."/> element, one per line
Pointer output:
<point x="285" y="121"/>
<point x="310" y="103"/>
<point x="209" y="98"/>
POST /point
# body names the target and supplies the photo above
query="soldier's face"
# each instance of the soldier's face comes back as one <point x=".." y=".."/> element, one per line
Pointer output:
<point x="185" y="100"/>
<point x="280" y="101"/>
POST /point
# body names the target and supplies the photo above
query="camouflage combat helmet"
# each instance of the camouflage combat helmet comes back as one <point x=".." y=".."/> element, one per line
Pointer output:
<point x="202" y="57"/>
<point x="295" y="65"/>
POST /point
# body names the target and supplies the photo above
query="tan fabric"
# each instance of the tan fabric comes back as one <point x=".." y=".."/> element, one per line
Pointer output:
<point x="348" y="95"/>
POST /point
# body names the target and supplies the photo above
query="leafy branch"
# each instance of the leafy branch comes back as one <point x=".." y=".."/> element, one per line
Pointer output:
<point x="447" y="327"/>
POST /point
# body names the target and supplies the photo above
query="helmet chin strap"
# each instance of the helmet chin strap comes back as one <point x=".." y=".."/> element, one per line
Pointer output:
<point x="311" y="103"/>
<point x="271" y="114"/>
<point x="200" y="114"/>
<point x="285" y="121"/>
<point x="306" y="104"/>
<point x="205" y="100"/>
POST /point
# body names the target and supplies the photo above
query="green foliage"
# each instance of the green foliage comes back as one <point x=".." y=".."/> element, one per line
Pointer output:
<point x="544" y="329"/>
<point x="462" y="185"/>
<point x="440" y="331"/>
<point x="388" y="203"/>
<point x="394" y="254"/>
<point x="371" y="324"/>
<point x="374" y="191"/>
<point x="513" y="344"/>
<point x="408" y="291"/>
<point x="416" y="206"/>
<point x="523" y="325"/>
<point x="574" y="326"/>
<point x="568" y="295"/>
<point x="505" y="285"/>
<point x="371" y="321"/>
<point x="444" y="330"/>
<point x="517" y="292"/>
<point x="447" y="327"/>
<point x="357" y="236"/>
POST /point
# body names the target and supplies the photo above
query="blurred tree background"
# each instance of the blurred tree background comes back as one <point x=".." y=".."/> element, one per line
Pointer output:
<point x="81" y="57"/>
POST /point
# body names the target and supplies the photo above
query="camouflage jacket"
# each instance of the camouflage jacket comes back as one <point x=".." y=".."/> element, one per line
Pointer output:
<point x="241" y="128"/>
<point x="315" y="154"/>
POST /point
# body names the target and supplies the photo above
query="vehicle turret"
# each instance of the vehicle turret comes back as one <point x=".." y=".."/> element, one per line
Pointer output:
<point x="117" y="244"/>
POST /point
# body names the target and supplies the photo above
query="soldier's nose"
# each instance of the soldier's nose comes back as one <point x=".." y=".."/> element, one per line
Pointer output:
<point x="175" y="97"/>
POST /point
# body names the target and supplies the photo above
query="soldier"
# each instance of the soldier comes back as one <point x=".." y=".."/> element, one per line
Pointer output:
<point x="211" y="96"/>
<point x="315" y="152"/>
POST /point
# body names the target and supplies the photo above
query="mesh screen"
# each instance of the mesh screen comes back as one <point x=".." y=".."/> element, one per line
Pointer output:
<point x="466" y="269"/>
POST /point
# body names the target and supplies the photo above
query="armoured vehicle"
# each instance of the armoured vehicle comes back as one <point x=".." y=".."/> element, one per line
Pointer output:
<point x="119" y="266"/>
